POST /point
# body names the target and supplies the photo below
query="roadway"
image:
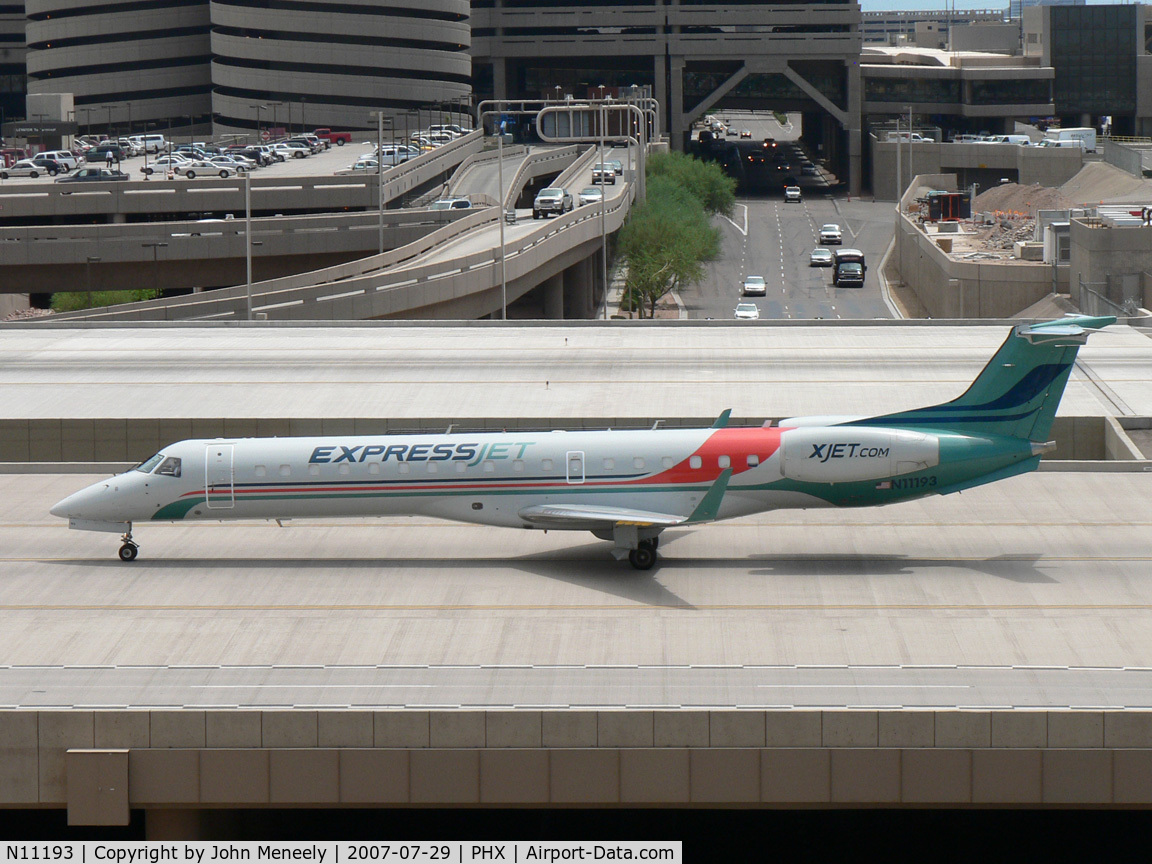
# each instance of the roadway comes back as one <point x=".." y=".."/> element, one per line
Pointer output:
<point x="1035" y="592"/>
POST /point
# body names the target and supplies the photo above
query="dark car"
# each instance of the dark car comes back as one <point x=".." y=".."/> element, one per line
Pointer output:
<point x="100" y="152"/>
<point x="50" y="166"/>
<point x="91" y="174"/>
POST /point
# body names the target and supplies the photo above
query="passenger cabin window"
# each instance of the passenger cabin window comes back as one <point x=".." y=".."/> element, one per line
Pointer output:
<point x="667" y="461"/>
<point x="314" y="470"/>
<point x="546" y="464"/>
<point x="517" y="464"/>
<point x="489" y="465"/>
<point x="343" y="469"/>
<point x="609" y="464"/>
<point x="170" y="467"/>
<point x="694" y="462"/>
<point x="373" y="467"/>
<point x="461" y="467"/>
<point x="753" y="460"/>
<point x="404" y="468"/>
<point x="638" y="463"/>
<point x="432" y="467"/>
<point x="261" y="471"/>
<point x="724" y="462"/>
<point x="285" y="470"/>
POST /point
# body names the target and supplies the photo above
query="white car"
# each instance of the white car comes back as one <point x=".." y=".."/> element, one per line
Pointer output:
<point x="238" y="165"/>
<point x="830" y="234"/>
<point x="747" y="312"/>
<point x="792" y="194"/>
<point x="203" y="168"/>
<point x="23" y="168"/>
<point x="295" y="149"/>
<point x="360" y="166"/>
<point x="591" y="195"/>
<point x="755" y="286"/>
<point x="820" y="258"/>
<point x="172" y="162"/>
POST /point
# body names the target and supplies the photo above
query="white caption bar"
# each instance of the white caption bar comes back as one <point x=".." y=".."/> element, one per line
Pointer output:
<point x="454" y="852"/>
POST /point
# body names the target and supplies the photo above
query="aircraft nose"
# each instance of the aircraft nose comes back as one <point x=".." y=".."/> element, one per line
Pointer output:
<point x="79" y="505"/>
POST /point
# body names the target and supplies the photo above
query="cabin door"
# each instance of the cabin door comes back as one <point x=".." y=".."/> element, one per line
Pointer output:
<point x="575" y="466"/>
<point x="218" y="477"/>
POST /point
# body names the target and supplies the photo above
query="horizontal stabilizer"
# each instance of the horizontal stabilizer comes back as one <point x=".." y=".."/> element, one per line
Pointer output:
<point x="591" y="516"/>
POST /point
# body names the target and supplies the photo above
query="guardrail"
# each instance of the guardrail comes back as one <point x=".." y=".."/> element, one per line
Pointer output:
<point x="397" y="290"/>
<point x="62" y="201"/>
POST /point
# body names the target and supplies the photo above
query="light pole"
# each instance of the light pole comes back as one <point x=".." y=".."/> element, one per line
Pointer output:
<point x="273" y="106"/>
<point x="129" y="104"/>
<point x="603" y="208"/>
<point x="303" y="128"/>
<point x="258" y="108"/>
<point x="248" y="236"/>
<point x="155" y="247"/>
<point x="109" y="107"/>
<point x="92" y="259"/>
<point x="500" y="178"/>
<point x="559" y="90"/>
<point x="380" y="171"/>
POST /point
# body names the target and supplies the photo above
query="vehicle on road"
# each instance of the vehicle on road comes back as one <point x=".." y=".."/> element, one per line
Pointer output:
<point x="731" y="131"/>
<point x="1084" y="134"/>
<point x="27" y="168"/>
<point x="616" y="164"/>
<point x="93" y="175"/>
<point x="603" y="173"/>
<point x="745" y="133"/>
<point x="337" y="138"/>
<point x="998" y="428"/>
<point x="792" y="195"/>
<point x="451" y="204"/>
<point x="830" y="234"/>
<point x="552" y="201"/>
<point x="747" y="312"/>
<point x="848" y="268"/>
<point x="754" y="286"/>
<point x="820" y="258"/>
<point x="591" y="195"/>
<point x="807" y="170"/>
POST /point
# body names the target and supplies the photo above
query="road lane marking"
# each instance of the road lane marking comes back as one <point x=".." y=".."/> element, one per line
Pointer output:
<point x="743" y="230"/>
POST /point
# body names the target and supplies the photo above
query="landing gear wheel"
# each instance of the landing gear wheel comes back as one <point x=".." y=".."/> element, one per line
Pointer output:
<point x="652" y="543"/>
<point x="128" y="552"/>
<point x="642" y="557"/>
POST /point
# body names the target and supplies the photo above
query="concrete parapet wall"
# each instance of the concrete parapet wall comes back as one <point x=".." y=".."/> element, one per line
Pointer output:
<point x="950" y="288"/>
<point x="238" y="758"/>
<point x="120" y="441"/>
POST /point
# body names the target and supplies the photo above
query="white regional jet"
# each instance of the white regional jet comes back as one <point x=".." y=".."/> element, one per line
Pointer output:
<point x="623" y="486"/>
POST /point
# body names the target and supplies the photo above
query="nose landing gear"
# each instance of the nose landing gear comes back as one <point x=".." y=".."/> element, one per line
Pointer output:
<point x="129" y="549"/>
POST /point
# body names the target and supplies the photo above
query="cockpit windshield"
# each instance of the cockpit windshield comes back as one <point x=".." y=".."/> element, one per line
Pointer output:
<point x="146" y="467"/>
<point x="169" y="465"/>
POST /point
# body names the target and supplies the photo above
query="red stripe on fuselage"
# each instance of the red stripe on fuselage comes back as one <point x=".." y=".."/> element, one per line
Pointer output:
<point x="736" y="444"/>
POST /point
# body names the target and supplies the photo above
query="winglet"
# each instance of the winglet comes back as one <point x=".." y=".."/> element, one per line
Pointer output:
<point x="722" y="421"/>
<point x="709" y="505"/>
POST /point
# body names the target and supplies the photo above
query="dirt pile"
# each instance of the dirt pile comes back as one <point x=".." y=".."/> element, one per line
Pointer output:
<point x="1012" y="198"/>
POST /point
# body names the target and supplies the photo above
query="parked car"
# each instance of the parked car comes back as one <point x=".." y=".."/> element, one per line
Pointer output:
<point x="151" y="143"/>
<point x="48" y="165"/>
<point x="66" y="159"/>
<point x="754" y="286"/>
<point x="747" y="312"/>
<point x="25" y="168"/>
<point x="603" y="174"/>
<point x="591" y="195"/>
<point x="360" y="166"/>
<point x="451" y="204"/>
<point x="337" y="138"/>
<point x="830" y="234"/>
<point x="553" y="200"/>
<point x="172" y="162"/>
<point x="100" y="152"/>
<point x="93" y="175"/>
<point x="297" y="149"/>
<point x="314" y="144"/>
<point x="820" y="258"/>
<point x="236" y="163"/>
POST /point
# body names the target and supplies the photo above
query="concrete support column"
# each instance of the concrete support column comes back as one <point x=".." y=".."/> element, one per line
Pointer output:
<point x="499" y="78"/>
<point x="855" y="132"/>
<point x="172" y="825"/>
<point x="676" y="125"/>
<point x="553" y="290"/>
<point x="578" y="299"/>
<point x="660" y="75"/>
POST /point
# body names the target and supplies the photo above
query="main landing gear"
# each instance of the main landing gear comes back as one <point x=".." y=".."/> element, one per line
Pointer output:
<point x="643" y="557"/>
<point x="129" y="549"/>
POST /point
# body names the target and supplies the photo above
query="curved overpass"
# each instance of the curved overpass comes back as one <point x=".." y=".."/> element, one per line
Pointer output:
<point x="452" y="272"/>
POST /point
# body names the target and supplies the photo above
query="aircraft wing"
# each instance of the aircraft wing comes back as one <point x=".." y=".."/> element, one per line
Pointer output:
<point x="593" y="516"/>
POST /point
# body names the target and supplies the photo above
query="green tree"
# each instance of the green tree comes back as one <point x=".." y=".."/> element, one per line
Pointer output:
<point x="714" y="189"/>
<point x="665" y="243"/>
<point x="73" y="301"/>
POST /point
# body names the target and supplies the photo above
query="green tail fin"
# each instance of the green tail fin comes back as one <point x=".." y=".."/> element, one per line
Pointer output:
<point x="1017" y="393"/>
